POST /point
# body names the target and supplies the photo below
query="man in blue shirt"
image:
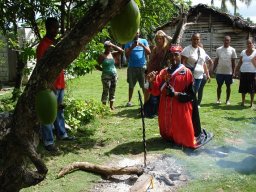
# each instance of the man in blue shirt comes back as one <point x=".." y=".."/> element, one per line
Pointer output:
<point x="135" y="52"/>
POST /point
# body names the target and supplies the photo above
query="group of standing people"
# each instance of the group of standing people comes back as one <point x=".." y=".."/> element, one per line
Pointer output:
<point x="172" y="80"/>
<point x="226" y="70"/>
<point x="168" y="87"/>
<point x="136" y="52"/>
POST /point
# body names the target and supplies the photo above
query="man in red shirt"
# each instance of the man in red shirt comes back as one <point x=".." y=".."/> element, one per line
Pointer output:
<point x="52" y="26"/>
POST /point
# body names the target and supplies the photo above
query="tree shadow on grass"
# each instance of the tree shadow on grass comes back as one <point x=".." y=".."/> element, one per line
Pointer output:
<point x="224" y="106"/>
<point x="129" y="113"/>
<point x="152" y="144"/>
<point x="159" y="144"/>
<point x="238" y="119"/>
<point x="246" y="166"/>
<point x="232" y="107"/>
<point x="83" y="141"/>
<point x="217" y="152"/>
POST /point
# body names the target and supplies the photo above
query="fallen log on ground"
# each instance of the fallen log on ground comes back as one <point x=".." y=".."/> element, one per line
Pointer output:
<point x="143" y="183"/>
<point x="106" y="171"/>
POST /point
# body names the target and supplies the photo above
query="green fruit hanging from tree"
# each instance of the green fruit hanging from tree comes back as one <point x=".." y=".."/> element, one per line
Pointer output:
<point x="125" y="24"/>
<point x="46" y="106"/>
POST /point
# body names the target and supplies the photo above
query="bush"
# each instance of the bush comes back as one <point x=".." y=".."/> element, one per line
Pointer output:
<point x="7" y="104"/>
<point x="79" y="112"/>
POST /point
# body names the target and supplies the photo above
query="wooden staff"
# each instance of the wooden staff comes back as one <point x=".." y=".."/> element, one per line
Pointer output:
<point x="143" y="129"/>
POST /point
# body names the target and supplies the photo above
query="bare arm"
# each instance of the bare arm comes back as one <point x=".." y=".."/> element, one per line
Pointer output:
<point x="209" y="64"/>
<point x="254" y="61"/>
<point x="233" y="61"/>
<point x="238" y="67"/>
<point x="216" y="62"/>
<point x="118" y="50"/>
<point x="206" y="71"/>
<point x="184" y="60"/>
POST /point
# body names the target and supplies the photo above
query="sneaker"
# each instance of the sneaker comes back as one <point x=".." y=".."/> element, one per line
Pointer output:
<point x="129" y="104"/>
<point x="51" y="148"/>
<point x="67" y="127"/>
<point x="228" y="103"/>
<point x="218" y="102"/>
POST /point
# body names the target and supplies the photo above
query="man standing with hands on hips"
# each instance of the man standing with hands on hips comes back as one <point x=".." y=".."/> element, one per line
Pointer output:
<point x="136" y="52"/>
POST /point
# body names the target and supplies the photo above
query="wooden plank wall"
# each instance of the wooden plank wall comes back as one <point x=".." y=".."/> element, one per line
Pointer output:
<point x="212" y="30"/>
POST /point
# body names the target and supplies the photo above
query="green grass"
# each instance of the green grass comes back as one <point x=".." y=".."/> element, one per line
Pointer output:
<point x="227" y="163"/>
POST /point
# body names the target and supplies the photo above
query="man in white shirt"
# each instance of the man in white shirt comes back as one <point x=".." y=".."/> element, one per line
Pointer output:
<point x="224" y="65"/>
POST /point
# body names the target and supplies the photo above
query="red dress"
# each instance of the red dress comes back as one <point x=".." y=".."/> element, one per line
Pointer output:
<point x="175" y="117"/>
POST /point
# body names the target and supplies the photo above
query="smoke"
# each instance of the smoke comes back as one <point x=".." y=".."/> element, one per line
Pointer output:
<point x="236" y="155"/>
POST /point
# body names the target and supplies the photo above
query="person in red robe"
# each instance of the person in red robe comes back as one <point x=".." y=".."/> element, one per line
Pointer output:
<point x="176" y="115"/>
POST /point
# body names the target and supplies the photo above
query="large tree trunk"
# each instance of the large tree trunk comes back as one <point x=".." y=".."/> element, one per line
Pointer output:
<point x="19" y="77"/>
<point x="20" y="144"/>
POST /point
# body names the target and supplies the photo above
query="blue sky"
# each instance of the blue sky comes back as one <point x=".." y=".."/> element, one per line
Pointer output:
<point x="242" y="8"/>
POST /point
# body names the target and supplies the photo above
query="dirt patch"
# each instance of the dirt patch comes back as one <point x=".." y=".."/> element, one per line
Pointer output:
<point x="167" y="174"/>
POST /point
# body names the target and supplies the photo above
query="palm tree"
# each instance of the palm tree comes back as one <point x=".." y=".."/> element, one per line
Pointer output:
<point x="223" y="6"/>
<point x="233" y="3"/>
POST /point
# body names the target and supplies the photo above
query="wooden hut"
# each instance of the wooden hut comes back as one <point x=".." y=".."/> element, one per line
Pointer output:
<point x="213" y="25"/>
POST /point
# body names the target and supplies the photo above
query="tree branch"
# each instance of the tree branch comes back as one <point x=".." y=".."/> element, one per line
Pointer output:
<point x="100" y="169"/>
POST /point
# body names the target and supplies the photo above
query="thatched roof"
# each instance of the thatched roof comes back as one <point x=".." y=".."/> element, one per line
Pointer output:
<point x="193" y="12"/>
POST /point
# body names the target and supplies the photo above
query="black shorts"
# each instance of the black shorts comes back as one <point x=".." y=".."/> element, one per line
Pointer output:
<point x="221" y="78"/>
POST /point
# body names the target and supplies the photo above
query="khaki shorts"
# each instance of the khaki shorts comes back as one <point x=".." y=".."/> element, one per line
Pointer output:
<point x="135" y="74"/>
